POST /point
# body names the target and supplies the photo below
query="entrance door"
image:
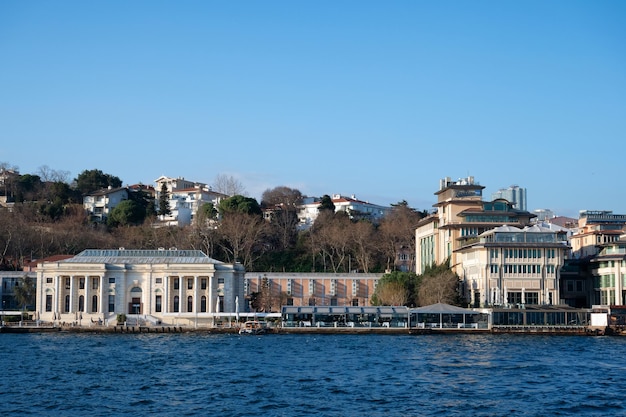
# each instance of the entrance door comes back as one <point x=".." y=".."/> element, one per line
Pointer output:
<point x="135" y="306"/>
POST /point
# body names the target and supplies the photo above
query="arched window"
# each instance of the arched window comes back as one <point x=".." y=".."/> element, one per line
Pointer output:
<point x="176" y="303"/>
<point x="67" y="304"/>
<point x="189" y="304"/>
<point x="203" y="304"/>
<point x="81" y="303"/>
<point x="94" y="304"/>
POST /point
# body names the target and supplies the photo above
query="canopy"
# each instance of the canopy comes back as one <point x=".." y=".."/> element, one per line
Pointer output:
<point x="441" y="308"/>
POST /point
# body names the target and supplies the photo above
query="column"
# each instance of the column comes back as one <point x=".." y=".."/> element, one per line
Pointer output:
<point x="87" y="306"/>
<point x="104" y="296"/>
<point x="210" y="307"/>
<point x="181" y="303"/>
<point x="57" y="294"/>
<point x="71" y="293"/>
<point x="165" y="303"/>
<point x="196" y="299"/>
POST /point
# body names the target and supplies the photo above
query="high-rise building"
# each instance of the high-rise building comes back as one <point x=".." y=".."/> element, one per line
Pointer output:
<point x="514" y="194"/>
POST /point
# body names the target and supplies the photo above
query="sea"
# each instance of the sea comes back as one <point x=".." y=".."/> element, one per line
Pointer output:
<point x="201" y="374"/>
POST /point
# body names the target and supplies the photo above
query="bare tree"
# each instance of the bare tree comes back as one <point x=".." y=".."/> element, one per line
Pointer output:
<point x="48" y="174"/>
<point x="440" y="286"/>
<point x="228" y="185"/>
<point x="241" y="235"/>
<point x="392" y="293"/>
<point x="364" y="244"/>
<point x="397" y="231"/>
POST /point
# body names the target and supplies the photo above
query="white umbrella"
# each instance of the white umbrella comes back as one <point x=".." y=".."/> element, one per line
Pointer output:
<point x="217" y="304"/>
<point x="506" y="296"/>
<point x="523" y="296"/>
<point x="237" y="307"/>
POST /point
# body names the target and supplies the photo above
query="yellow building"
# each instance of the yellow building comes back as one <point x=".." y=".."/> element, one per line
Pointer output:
<point x="512" y="266"/>
<point x="460" y="218"/>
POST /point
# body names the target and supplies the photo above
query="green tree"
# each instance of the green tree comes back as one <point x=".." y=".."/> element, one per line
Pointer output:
<point x="89" y="181"/>
<point x="126" y="213"/>
<point x="25" y="292"/>
<point x="164" y="201"/>
<point x="239" y="204"/>
<point x="326" y="204"/>
<point x="397" y="288"/>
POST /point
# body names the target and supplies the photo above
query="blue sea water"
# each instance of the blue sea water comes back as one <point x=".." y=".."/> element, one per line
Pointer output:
<point x="193" y="374"/>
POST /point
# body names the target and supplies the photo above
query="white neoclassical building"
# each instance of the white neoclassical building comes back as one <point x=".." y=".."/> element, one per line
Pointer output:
<point x="181" y="287"/>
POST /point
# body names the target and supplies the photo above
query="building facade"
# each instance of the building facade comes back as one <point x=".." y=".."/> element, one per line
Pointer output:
<point x="98" y="205"/>
<point x="511" y="266"/>
<point x="596" y="228"/>
<point x="608" y="270"/>
<point x="460" y="218"/>
<point x="167" y="286"/>
<point x="356" y="209"/>
<point x="311" y="289"/>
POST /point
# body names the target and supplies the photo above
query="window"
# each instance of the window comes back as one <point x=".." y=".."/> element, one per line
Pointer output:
<point x="176" y="304"/>
<point x="220" y="280"/>
<point x="355" y="302"/>
<point x="203" y="304"/>
<point x="111" y="303"/>
<point x="159" y="280"/>
<point x="95" y="283"/>
<point x="81" y="283"/>
<point x="190" y="284"/>
<point x="48" y="302"/>
<point x="94" y="304"/>
<point x="189" y="304"/>
<point x="203" y="283"/>
<point x="48" y="280"/>
<point x="176" y="283"/>
<point x="67" y="304"/>
<point x="158" y="304"/>
<point x="290" y="301"/>
<point x="312" y="301"/>
<point x="81" y="301"/>
<point x="333" y="301"/>
<point x="111" y="280"/>
<point x="67" y="283"/>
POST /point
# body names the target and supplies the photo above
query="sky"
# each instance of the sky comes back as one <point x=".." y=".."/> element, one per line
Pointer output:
<point x="368" y="98"/>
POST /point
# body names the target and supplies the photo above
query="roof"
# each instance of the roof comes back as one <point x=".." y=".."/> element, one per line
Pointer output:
<point x="142" y="256"/>
<point x="441" y="308"/>
<point x="380" y="310"/>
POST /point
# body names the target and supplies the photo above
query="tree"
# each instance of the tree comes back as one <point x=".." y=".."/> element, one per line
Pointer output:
<point x="126" y="213"/>
<point x="240" y="204"/>
<point x="326" y="204"/>
<point x="396" y="288"/>
<point x="241" y="237"/>
<point x="25" y="292"/>
<point x="228" y="185"/>
<point x="439" y="285"/>
<point x="89" y="181"/>
<point x="397" y="232"/>
<point x="164" y="201"/>
<point x="287" y="198"/>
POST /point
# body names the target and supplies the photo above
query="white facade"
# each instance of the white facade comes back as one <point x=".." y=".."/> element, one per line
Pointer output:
<point x="509" y="266"/>
<point x="308" y="211"/>
<point x="185" y="198"/>
<point x="180" y="287"/>
<point x="98" y="205"/>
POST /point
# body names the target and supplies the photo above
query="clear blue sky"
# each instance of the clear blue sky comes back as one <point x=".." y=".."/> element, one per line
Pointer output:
<point x="373" y="98"/>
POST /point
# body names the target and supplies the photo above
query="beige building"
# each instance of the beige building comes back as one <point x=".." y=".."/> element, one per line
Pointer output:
<point x="608" y="270"/>
<point x="511" y="266"/>
<point x="181" y="287"/>
<point x="312" y="289"/>
<point x="460" y="218"/>
<point x="596" y="228"/>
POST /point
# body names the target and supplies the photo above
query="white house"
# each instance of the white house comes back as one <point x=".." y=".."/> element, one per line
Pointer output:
<point x="99" y="204"/>
<point x="356" y="209"/>
<point x="181" y="287"/>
